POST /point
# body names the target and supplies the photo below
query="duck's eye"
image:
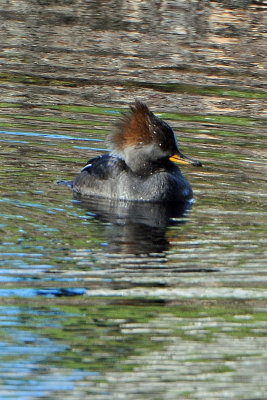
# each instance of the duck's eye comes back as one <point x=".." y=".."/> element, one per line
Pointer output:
<point x="162" y="145"/>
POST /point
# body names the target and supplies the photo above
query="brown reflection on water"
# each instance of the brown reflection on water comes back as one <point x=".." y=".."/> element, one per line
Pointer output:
<point x="105" y="53"/>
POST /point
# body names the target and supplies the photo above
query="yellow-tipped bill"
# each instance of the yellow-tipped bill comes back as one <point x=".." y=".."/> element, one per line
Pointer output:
<point x="181" y="159"/>
<point x="178" y="160"/>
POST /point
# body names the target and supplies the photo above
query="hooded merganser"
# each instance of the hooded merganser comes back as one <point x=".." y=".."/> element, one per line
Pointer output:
<point x="141" y="165"/>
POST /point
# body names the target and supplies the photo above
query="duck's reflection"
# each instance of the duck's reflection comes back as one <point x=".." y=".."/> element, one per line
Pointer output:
<point x="135" y="228"/>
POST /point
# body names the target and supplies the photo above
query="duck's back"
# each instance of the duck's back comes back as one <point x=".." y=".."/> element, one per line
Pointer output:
<point x="98" y="177"/>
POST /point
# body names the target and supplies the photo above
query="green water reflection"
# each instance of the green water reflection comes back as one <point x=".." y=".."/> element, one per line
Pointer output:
<point x="100" y="338"/>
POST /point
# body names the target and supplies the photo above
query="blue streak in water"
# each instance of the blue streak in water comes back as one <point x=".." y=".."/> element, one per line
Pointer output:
<point x="49" y="136"/>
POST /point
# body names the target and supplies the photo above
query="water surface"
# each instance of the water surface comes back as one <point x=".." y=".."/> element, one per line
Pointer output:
<point x="101" y="300"/>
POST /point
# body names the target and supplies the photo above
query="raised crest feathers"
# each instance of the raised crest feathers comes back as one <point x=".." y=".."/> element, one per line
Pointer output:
<point x="133" y="128"/>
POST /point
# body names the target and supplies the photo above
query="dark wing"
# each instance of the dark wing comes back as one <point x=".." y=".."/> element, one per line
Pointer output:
<point x="105" y="167"/>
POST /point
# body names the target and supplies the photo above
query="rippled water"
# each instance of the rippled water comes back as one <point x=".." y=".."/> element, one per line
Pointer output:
<point x="106" y="300"/>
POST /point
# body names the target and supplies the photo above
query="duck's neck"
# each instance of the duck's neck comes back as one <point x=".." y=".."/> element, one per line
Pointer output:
<point x="144" y="160"/>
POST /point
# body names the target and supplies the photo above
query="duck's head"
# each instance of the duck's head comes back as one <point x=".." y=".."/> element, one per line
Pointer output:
<point x="144" y="140"/>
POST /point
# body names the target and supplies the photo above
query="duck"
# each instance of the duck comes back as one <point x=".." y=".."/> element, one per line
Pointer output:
<point x="142" y="165"/>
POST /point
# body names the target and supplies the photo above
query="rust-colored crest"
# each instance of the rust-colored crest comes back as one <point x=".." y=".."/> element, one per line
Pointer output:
<point x="134" y="128"/>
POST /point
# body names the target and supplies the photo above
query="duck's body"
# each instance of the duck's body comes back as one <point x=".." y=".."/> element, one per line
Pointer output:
<point x="139" y="167"/>
<point x="109" y="176"/>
